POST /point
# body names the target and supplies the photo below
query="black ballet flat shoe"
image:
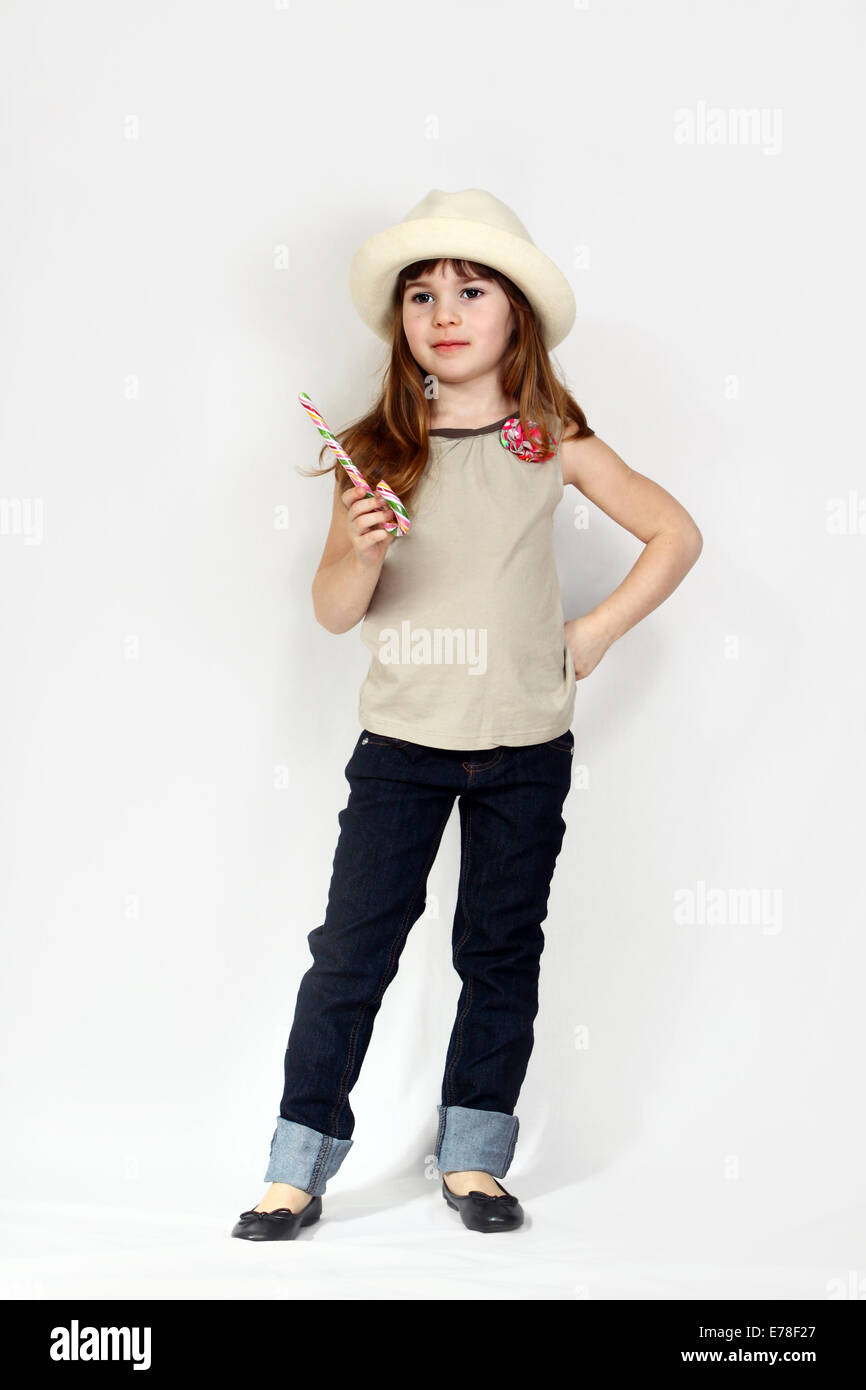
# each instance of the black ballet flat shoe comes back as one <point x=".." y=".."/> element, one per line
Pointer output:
<point x="481" y="1212"/>
<point x="282" y="1224"/>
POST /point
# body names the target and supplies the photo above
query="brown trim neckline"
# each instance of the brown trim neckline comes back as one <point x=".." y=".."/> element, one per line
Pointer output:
<point x="482" y="429"/>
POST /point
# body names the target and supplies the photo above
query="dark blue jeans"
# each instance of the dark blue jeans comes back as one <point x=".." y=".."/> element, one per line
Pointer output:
<point x="401" y="797"/>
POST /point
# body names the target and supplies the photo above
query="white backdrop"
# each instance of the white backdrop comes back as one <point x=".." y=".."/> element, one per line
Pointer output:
<point x="185" y="185"/>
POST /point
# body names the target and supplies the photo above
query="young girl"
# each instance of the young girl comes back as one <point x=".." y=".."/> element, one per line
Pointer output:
<point x="471" y="687"/>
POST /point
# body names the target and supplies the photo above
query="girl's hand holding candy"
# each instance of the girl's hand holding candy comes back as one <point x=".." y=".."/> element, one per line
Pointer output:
<point x="368" y="517"/>
<point x="398" y="519"/>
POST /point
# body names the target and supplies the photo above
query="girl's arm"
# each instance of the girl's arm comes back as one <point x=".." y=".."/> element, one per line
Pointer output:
<point x="352" y="559"/>
<point x="672" y="544"/>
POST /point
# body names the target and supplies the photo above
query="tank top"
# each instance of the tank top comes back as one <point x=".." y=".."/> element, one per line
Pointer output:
<point x="465" y="625"/>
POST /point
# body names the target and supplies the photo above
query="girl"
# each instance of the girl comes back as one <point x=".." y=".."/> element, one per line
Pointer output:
<point x="471" y="686"/>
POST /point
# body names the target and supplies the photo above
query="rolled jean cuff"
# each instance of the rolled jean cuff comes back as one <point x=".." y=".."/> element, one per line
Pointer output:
<point x="304" y="1157"/>
<point x="469" y="1139"/>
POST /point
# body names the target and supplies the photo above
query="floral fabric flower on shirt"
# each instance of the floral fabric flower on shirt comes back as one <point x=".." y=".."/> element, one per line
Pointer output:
<point x="513" y="438"/>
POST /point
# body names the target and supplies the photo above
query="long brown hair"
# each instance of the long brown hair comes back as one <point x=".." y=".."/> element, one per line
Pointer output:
<point x="391" y="440"/>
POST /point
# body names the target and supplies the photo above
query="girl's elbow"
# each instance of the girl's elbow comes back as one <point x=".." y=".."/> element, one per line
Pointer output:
<point x="693" y="542"/>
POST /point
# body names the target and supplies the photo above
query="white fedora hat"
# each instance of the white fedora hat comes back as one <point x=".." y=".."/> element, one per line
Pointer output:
<point x="473" y="225"/>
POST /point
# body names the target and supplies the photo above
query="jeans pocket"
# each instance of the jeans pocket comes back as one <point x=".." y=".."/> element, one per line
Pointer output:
<point x="385" y="739"/>
<point x="564" y="742"/>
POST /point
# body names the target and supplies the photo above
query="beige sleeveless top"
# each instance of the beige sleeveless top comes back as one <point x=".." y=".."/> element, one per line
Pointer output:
<point x="465" y="626"/>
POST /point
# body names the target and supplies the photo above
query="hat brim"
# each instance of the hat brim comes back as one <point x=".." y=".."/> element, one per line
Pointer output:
<point x="378" y="261"/>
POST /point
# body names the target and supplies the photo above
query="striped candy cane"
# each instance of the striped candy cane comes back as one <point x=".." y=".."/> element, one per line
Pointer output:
<point x="385" y="494"/>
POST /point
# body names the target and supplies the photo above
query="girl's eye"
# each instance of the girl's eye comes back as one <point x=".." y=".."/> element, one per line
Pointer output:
<point x="470" y="289"/>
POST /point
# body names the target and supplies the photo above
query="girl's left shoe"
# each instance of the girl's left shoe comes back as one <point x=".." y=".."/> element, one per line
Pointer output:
<point x="481" y="1212"/>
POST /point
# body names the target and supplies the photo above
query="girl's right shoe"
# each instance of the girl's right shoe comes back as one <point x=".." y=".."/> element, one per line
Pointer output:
<point x="282" y="1224"/>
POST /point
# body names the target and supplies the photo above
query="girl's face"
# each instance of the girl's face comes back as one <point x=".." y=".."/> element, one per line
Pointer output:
<point x="474" y="313"/>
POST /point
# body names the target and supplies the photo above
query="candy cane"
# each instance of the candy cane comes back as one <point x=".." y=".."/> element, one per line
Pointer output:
<point x="402" y="522"/>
